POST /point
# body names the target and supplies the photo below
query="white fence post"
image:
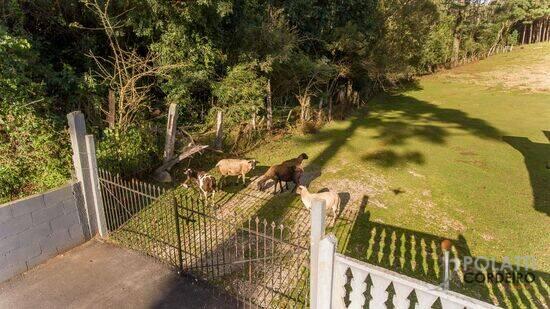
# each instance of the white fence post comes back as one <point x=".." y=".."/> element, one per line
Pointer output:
<point x="96" y="191"/>
<point x="77" y="130"/>
<point x="325" y="271"/>
<point x="317" y="232"/>
<point x="171" y="128"/>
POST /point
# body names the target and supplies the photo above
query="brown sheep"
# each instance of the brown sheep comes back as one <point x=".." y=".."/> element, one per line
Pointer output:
<point x="205" y="182"/>
<point x="296" y="161"/>
<point x="280" y="173"/>
<point x="235" y="167"/>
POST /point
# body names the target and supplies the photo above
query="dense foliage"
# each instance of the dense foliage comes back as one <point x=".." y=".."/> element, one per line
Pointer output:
<point x="207" y="55"/>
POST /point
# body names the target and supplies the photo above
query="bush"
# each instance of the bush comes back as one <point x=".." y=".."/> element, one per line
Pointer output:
<point x="309" y="127"/>
<point x="133" y="151"/>
<point x="34" y="149"/>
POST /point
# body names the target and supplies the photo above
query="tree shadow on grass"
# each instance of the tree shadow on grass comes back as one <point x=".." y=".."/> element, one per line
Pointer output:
<point x="419" y="255"/>
<point x="537" y="161"/>
<point x="388" y="158"/>
<point x="396" y="119"/>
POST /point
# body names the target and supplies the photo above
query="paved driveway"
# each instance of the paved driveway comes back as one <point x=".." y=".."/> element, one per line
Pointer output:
<point x="99" y="275"/>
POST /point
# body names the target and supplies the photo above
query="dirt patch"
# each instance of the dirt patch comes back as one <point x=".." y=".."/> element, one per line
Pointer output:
<point x="532" y="77"/>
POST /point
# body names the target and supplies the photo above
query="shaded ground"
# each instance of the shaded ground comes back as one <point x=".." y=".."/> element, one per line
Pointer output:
<point x="98" y="275"/>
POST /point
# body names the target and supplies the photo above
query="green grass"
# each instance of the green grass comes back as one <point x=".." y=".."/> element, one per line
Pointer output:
<point x="458" y="155"/>
<point x="451" y="157"/>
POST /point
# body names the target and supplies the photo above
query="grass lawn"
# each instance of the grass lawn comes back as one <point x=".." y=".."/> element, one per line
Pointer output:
<point x="461" y="155"/>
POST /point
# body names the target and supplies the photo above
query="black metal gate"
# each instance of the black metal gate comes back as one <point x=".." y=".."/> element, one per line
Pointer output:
<point x="256" y="261"/>
<point x="250" y="258"/>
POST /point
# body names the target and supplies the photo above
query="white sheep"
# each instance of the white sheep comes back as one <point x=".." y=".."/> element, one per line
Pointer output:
<point x="331" y="198"/>
<point x="235" y="167"/>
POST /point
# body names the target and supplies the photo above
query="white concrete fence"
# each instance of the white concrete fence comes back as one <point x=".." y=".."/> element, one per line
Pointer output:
<point x="329" y="269"/>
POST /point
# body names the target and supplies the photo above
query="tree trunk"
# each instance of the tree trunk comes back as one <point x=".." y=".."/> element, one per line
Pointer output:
<point x="112" y="109"/>
<point x="304" y="105"/>
<point x="269" y="107"/>
<point x="523" y="36"/>
<point x="540" y="29"/>
<point x="320" y="113"/>
<point x="330" y="107"/>
<point x="530" y="33"/>
<point x="544" y="30"/>
<point x="547" y="29"/>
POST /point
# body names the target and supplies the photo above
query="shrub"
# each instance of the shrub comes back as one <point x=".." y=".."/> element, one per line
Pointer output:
<point x="309" y="127"/>
<point x="133" y="151"/>
<point x="34" y="148"/>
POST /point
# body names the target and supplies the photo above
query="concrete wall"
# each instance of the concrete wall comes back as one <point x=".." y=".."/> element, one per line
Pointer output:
<point x="39" y="227"/>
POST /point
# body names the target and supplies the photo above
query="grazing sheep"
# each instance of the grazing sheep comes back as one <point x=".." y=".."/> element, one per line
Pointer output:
<point x="205" y="182"/>
<point x="296" y="161"/>
<point x="280" y="173"/>
<point x="235" y="167"/>
<point x="331" y="198"/>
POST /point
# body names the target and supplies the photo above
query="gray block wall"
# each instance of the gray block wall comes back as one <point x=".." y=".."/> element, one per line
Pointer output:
<point x="37" y="228"/>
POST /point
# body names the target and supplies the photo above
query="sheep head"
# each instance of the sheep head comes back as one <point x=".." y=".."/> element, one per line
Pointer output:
<point x="252" y="164"/>
<point x="302" y="190"/>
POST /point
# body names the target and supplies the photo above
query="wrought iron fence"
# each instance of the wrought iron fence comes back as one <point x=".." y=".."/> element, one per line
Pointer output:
<point x="252" y="259"/>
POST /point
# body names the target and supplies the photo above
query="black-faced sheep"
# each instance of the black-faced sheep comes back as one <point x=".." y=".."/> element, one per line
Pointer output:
<point x="331" y="198"/>
<point x="235" y="167"/>
<point x="205" y="182"/>
<point x="280" y="173"/>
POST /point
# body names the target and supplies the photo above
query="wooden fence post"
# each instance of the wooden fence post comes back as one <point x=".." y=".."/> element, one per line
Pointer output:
<point x="317" y="232"/>
<point x="171" y="128"/>
<point x="269" y="107"/>
<point x="77" y="131"/>
<point x="325" y="270"/>
<point x="219" y="131"/>
<point x="96" y="190"/>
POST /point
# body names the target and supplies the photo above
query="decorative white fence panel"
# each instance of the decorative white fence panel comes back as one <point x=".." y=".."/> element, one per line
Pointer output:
<point x="339" y="281"/>
<point x="426" y="294"/>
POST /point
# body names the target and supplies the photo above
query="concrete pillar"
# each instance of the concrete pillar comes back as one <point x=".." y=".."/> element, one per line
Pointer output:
<point x="77" y="130"/>
<point x="101" y="223"/>
<point x="171" y="128"/>
<point x="325" y="269"/>
<point x="318" y="214"/>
